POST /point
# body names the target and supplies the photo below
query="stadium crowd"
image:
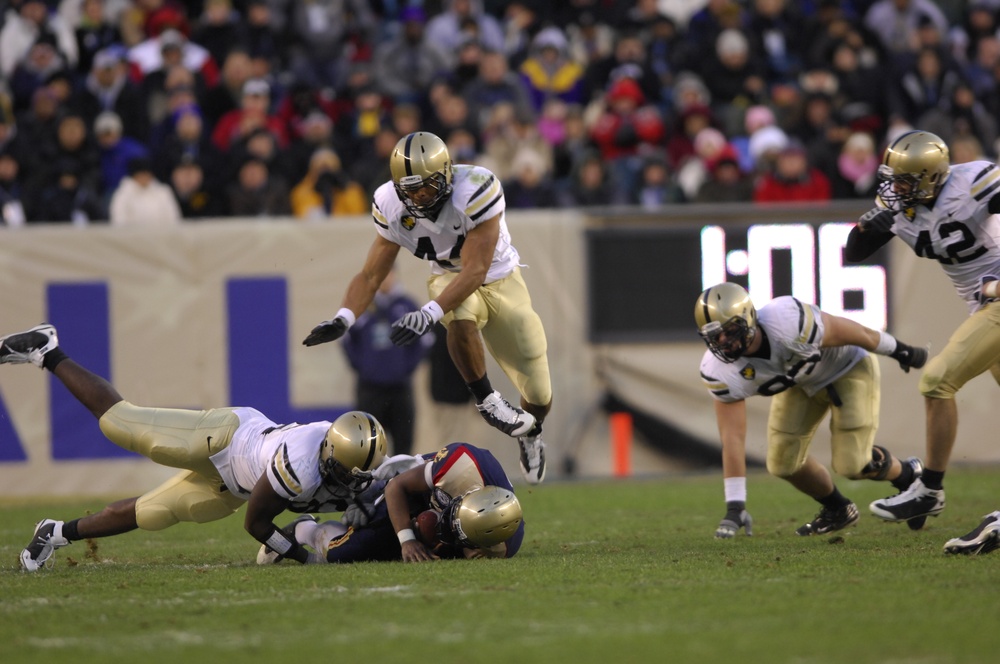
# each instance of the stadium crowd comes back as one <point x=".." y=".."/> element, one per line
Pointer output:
<point x="155" y="111"/>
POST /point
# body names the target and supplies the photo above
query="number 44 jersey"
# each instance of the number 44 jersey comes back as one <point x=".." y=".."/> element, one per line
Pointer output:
<point x="793" y="334"/>
<point x="958" y="230"/>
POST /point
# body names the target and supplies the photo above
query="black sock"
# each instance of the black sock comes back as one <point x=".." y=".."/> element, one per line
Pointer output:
<point x="69" y="530"/>
<point x="933" y="479"/>
<point x="734" y="508"/>
<point x="53" y="357"/>
<point x="835" y="501"/>
<point x="905" y="478"/>
<point x="481" y="388"/>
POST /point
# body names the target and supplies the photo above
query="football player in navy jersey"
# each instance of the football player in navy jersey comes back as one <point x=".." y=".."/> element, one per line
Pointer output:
<point x="452" y="215"/>
<point x="948" y="214"/>
<point x="473" y="504"/>
<point x="811" y="363"/>
<point x="229" y="456"/>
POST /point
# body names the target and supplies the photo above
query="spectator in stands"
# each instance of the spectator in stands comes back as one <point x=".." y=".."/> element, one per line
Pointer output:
<point x="33" y="71"/>
<point x="74" y="146"/>
<point x="12" y="211"/>
<point x="255" y="193"/>
<point x="857" y="168"/>
<point x="67" y="197"/>
<point x="494" y="84"/>
<point x="170" y="47"/>
<point x="734" y="79"/>
<point x="629" y="60"/>
<point x="726" y="182"/>
<point x="188" y="142"/>
<point x="406" y="65"/>
<point x="323" y="30"/>
<point x="107" y="87"/>
<point x="709" y="145"/>
<point x="194" y="198"/>
<point x="327" y="190"/>
<point x="142" y="200"/>
<point x="965" y="149"/>
<point x="117" y="151"/>
<point x="225" y="97"/>
<point x="627" y="129"/>
<point x="460" y="18"/>
<point x="680" y="145"/>
<point x="521" y="132"/>
<point x="218" y="29"/>
<point x="25" y="22"/>
<point x="776" y="30"/>
<point x="922" y="86"/>
<point x="591" y="184"/>
<point x="94" y="32"/>
<point x="961" y="115"/>
<point x="179" y="93"/>
<point x="896" y="22"/>
<point x="656" y="186"/>
<point x="549" y="72"/>
<point x="531" y="184"/>
<point x="792" y="179"/>
<point x="253" y="113"/>
<point x="371" y="169"/>
<point x="979" y="22"/>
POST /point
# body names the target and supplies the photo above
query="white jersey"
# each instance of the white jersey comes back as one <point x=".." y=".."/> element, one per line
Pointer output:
<point x="958" y="230"/>
<point x="794" y="331"/>
<point x="476" y="196"/>
<point x="289" y="456"/>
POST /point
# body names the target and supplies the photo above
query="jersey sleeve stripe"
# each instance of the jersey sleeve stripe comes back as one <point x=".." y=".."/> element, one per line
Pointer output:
<point x="486" y="209"/>
<point x="484" y="198"/>
<point x="985" y="183"/>
<point x="378" y="217"/>
<point x="807" y="323"/>
<point x="282" y="468"/>
<point x="482" y="189"/>
<point x="720" y="393"/>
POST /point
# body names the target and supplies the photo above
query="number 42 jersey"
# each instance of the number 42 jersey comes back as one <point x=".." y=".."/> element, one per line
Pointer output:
<point x="958" y="230"/>
<point x="794" y="332"/>
<point x="476" y="196"/>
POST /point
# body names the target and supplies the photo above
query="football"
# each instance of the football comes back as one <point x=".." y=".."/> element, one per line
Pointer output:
<point x="426" y="526"/>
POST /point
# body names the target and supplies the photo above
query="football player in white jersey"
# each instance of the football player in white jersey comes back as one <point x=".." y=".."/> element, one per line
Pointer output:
<point x="948" y="214"/>
<point x="811" y="363"/>
<point x="452" y="215"/>
<point x="230" y="456"/>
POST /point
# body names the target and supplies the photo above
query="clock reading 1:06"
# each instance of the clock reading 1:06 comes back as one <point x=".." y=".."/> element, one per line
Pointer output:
<point x="642" y="281"/>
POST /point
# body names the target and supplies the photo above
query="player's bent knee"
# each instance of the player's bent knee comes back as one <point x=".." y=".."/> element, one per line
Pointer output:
<point x="933" y="381"/>
<point x="155" y="517"/>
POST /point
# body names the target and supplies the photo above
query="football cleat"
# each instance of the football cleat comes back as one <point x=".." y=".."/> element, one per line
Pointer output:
<point x="827" y="521"/>
<point x="917" y="501"/>
<point x="915" y="523"/>
<point x="268" y="556"/>
<point x="532" y="460"/>
<point x="499" y="414"/>
<point x="28" y="346"/>
<point x="728" y="528"/>
<point x="43" y="544"/>
<point x="983" y="539"/>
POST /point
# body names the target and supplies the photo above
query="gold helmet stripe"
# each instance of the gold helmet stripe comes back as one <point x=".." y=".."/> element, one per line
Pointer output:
<point x="704" y="305"/>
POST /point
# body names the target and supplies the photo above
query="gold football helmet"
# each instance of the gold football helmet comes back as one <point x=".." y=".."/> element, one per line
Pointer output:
<point x="355" y="445"/>
<point x="485" y="517"/>
<point x="913" y="170"/>
<point x="421" y="160"/>
<point x="727" y="320"/>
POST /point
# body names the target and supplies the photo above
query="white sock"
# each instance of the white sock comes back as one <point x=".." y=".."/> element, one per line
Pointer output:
<point x="736" y="489"/>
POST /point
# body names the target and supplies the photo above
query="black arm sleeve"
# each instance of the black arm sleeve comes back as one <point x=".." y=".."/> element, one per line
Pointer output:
<point x="862" y="245"/>
<point x="994" y="205"/>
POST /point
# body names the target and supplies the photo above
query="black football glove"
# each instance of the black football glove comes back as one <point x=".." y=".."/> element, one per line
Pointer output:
<point x="877" y="219"/>
<point x="328" y="330"/>
<point x="909" y="357"/>
<point x="407" y="329"/>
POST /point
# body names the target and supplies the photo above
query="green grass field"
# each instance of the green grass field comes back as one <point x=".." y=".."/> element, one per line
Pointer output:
<point x="610" y="571"/>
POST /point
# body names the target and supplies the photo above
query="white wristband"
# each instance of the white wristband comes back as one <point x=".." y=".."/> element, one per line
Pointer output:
<point x="405" y="535"/>
<point x="347" y="315"/>
<point x="990" y="289"/>
<point x="434" y="309"/>
<point x="886" y="344"/>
